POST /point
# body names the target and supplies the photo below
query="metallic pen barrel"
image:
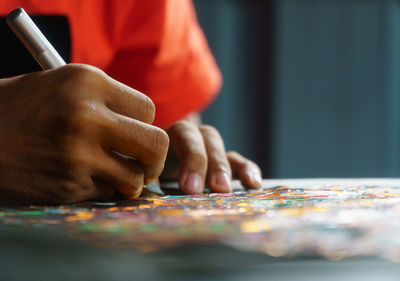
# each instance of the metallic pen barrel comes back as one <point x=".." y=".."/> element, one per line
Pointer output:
<point x="33" y="39"/>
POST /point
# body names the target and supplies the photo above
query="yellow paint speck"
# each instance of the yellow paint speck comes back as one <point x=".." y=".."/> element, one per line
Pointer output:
<point x="171" y="212"/>
<point x="255" y="226"/>
<point x="79" y="216"/>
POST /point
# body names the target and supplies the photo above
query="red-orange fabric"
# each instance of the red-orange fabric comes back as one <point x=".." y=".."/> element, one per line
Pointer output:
<point x="156" y="47"/>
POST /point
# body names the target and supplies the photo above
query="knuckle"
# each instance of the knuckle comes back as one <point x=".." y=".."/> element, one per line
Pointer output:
<point x="208" y="130"/>
<point x="252" y="165"/>
<point x="221" y="165"/>
<point x="234" y="154"/>
<point x="75" y="77"/>
<point x="150" y="109"/>
<point x="240" y="160"/>
<point x="160" y="143"/>
<point x="155" y="152"/>
<point x="82" y="69"/>
<point x="180" y="126"/>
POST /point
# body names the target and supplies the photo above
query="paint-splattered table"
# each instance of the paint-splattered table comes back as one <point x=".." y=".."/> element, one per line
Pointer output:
<point x="355" y="221"/>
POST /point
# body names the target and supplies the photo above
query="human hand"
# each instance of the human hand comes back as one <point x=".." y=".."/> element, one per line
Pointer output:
<point x="59" y="130"/>
<point x="201" y="159"/>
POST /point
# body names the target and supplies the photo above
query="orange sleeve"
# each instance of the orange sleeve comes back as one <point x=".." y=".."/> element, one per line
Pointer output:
<point x="162" y="52"/>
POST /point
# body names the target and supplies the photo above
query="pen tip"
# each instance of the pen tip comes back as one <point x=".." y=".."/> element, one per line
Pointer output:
<point x="15" y="13"/>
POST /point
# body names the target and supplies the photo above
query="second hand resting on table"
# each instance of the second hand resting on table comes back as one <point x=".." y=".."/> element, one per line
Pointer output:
<point x="58" y="130"/>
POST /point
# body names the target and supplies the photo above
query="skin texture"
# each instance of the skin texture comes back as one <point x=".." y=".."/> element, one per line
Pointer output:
<point x="63" y="133"/>
<point x="59" y="130"/>
<point x="202" y="160"/>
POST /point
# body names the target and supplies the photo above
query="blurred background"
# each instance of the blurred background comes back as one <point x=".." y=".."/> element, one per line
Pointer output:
<point x="311" y="87"/>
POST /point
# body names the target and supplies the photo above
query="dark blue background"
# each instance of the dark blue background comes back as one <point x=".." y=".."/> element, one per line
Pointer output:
<point x="311" y="87"/>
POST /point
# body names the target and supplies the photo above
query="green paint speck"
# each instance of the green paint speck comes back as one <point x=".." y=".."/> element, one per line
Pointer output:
<point x="217" y="228"/>
<point x="31" y="213"/>
<point x="88" y="227"/>
<point x="148" y="227"/>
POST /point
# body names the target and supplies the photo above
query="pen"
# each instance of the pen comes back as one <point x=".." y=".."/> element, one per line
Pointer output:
<point x="44" y="53"/>
<point x="33" y="39"/>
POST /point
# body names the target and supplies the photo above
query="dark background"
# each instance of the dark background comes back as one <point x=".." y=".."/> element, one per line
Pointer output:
<point x="311" y="87"/>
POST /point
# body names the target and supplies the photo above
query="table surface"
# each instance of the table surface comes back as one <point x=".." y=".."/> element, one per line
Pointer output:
<point x="303" y="229"/>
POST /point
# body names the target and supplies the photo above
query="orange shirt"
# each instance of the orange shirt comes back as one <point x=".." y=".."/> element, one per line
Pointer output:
<point x="155" y="46"/>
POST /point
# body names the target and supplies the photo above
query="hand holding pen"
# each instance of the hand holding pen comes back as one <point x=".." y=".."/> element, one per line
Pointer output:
<point x="61" y="126"/>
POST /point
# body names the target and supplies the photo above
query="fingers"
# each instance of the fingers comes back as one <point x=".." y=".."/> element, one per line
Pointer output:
<point x="247" y="171"/>
<point x="201" y="155"/>
<point x="114" y="172"/>
<point x="190" y="150"/>
<point x="125" y="116"/>
<point x="73" y="115"/>
<point x="82" y="81"/>
<point x="129" y="102"/>
<point x="145" y="143"/>
<point x="83" y="189"/>
<point x="95" y="174"/>
<point x="115" y="116"/>
<point x="219" y="173"/>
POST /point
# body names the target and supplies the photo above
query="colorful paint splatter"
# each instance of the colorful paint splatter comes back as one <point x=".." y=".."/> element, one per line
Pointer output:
<point x="335" y="221"/>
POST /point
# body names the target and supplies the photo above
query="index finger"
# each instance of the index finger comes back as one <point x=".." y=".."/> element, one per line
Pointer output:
<point x="129" y="102"/>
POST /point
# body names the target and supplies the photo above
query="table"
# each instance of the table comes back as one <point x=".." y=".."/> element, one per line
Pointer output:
<point x="304" y="229"/>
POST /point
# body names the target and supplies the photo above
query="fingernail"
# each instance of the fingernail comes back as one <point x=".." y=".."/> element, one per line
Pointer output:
<point x="222" y="180"/>
<point x="194" y="183"/>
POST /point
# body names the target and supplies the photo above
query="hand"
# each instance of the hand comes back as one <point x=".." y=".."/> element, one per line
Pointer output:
<point x="201" y="156"/>
<point x="60" y="129"/>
